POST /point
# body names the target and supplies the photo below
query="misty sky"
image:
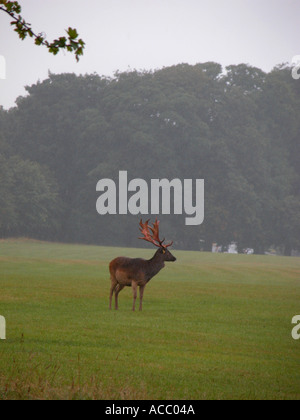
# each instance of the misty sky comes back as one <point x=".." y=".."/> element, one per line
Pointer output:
<point x="148" y="34"/>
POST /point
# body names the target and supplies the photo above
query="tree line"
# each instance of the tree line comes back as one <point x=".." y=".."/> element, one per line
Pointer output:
<point x="237" y="128"/>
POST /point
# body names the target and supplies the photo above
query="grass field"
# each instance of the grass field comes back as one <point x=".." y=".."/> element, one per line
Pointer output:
<point x="213" y="326"/>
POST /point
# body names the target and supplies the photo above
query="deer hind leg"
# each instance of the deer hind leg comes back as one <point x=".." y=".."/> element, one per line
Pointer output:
<point x="114" y="284"/>
<point x="117" y="291"/>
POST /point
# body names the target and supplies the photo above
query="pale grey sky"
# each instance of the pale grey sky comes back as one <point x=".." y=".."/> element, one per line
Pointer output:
<point x="148" y="34"/>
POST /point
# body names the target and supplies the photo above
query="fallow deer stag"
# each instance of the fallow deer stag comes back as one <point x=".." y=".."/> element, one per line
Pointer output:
<point x="137" y="272"/>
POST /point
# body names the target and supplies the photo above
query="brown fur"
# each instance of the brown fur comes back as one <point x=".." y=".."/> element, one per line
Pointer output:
<point x="135" y="272"/>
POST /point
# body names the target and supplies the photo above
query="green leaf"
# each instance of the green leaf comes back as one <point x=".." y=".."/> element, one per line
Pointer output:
<point x="39" y="40"/>
<point x="72" y="33"/>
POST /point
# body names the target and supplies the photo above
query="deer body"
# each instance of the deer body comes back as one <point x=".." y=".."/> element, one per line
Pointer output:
<point x="136" y="272"/>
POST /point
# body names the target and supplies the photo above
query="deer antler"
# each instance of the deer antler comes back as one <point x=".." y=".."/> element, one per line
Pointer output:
<point x="144" y="228"/>
<point x="154" y="238"/>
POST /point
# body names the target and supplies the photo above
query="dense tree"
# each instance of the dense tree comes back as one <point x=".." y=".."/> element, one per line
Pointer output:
<point x="238" y="129"/>
<point x="28" y="199"/>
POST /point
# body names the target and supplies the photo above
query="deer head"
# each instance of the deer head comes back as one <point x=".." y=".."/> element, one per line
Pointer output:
<point x="153" y="238"/>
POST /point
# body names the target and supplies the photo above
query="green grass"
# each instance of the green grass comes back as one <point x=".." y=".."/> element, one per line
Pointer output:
<point x="212" y="326"/>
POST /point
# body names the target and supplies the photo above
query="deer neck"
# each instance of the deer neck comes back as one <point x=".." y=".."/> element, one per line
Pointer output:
<point x="155" y="265"/>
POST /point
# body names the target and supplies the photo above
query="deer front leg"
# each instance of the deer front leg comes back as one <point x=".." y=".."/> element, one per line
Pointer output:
<point x="142" y="288"/>
<point x="134" y="291"/>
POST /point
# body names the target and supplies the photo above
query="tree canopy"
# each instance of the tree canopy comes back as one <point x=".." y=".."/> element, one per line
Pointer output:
<point x="238" y="129"/>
